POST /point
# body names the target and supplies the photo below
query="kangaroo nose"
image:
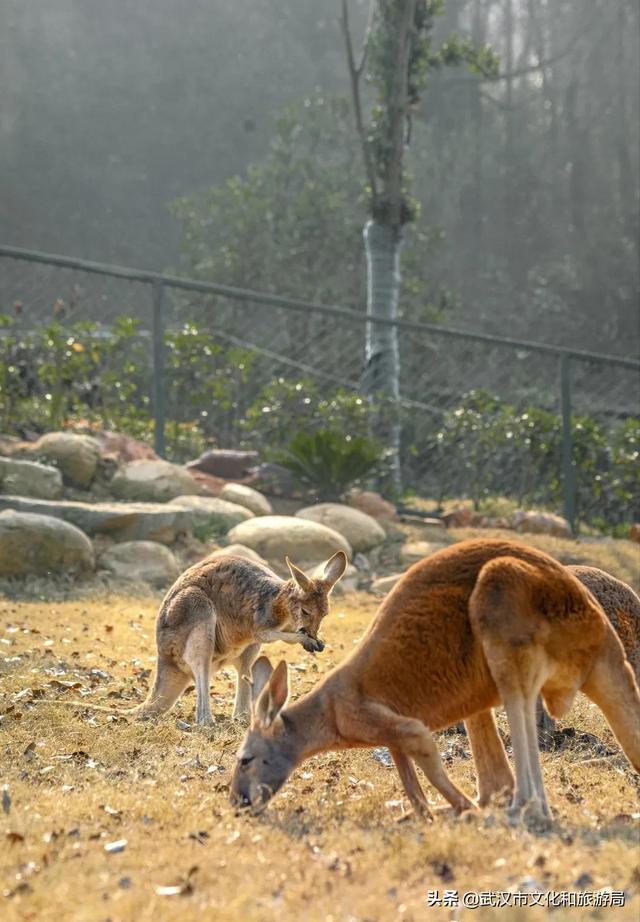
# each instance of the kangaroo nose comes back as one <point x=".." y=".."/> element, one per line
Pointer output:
<point x="319" y="645"/>
<point x="240" y="799"/>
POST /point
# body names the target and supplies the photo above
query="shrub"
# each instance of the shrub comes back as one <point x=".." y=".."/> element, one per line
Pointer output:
<point x="330" y="462"/>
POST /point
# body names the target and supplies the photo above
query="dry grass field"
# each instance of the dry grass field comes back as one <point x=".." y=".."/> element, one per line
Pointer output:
<point x="337" y="844"/>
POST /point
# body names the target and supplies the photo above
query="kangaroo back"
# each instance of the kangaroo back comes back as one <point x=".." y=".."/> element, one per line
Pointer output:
<point x="620" y="604"/>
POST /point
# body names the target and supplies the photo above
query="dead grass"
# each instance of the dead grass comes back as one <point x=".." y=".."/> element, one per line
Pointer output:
<point x="336" y="844"/>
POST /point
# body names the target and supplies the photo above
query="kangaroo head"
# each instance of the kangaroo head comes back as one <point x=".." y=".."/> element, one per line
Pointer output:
<point x="266" y="757"/>
<point x="307" y="599"/>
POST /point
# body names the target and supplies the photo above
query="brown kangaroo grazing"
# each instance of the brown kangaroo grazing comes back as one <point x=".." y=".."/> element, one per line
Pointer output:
<point x="622" y="607"/>
<point x="474" y="625"/>
<point x="219" y="612"/>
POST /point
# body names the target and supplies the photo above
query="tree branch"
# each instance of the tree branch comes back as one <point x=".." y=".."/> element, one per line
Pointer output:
<point x="355" y="72"/>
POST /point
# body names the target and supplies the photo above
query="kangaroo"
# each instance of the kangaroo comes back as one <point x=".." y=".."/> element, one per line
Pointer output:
<point x="622" y="607"/>
<point x="219" y="612"/>
<point x="474" y="625"/>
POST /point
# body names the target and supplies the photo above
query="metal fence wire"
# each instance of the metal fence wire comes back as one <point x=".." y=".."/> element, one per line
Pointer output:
<point x="482" y="416"/>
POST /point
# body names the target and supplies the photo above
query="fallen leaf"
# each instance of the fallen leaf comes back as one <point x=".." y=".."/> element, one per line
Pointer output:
<point x="112" y="811"/>
<point x="30" y="751"/>
<point x="6" y="800"/>
<point x="170" y="891"/>
<point x="13" y="837"/>
<point x="113" y="848"/>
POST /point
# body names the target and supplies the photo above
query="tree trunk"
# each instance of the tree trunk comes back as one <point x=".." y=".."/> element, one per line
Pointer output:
<point x="382" y="370"/>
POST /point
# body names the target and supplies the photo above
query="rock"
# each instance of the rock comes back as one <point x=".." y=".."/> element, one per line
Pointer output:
<point x="238" y="550"/>
<point x="152" y="481"/>
<point x="413" y="551"/>
<point x="119" y="521"/>
<point x="460" y="518"/>
<point x="209" y="512"/>
<point x="29" y="478"/>
<point x="385" y="584"/>
<point x="276" y="536"/>
<point x="142" y="562"/>
<point x="634" y="532"/>
<point x="10" y="444"/>
<point x="208" y="485"/>
<point x="373" y="504"/>
<point x="361" y="531"/>
<point x="40" y="544"/>
<point x="123" y="449"/>
<point x="276" y="480"/>
<point x="540" y="523"/>
<point x="225" y="463"/>
<point x="76" y="456"/>
<point x="246" y="496"/>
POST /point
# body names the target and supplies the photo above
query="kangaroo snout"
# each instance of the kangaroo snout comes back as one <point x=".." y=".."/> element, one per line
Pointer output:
<point x="310" y="643"/>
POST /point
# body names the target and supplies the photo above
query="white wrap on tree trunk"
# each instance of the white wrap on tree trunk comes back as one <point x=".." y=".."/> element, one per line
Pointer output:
<point x="382" y="370"/>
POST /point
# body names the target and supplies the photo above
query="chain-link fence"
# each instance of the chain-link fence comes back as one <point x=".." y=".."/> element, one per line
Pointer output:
<point x="482" y="416"/>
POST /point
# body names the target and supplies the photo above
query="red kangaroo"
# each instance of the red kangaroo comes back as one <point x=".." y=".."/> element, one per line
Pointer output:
<point x="475" y="625"/>
<point x="621" y="605"/>
<point x="219" y="612"/>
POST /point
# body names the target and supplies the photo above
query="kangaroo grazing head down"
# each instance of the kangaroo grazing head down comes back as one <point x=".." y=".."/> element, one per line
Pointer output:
<point x="266" y="757"/>
<point x="307" y="599"/>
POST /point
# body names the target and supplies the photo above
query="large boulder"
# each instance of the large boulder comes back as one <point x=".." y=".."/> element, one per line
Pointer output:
<point x="141" y="562"/>
<point x="540" y="523"/>
<point x="237" y="550"/>
<point x="122" y="448"/>
<point x="226" y="463"/>
<point x="118" y="521"/>
<point x="41" y="545"/>
<point x="413" y="551"/>
<point x="361" y="530"/>
<point x="275" y="537"/>
<point x="152" y="482"/>
<point x="76" y="456"/>
<point x="385" y="584"/>
<point x="209" y="512"/>
<point x="276" y="480"/>
<point x="248" y="497"/>
<point x="373" y="504"/>
<point x="29" y="478"/>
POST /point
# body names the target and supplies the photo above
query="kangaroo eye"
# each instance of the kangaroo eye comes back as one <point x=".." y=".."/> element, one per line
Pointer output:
<point x="305" y="612"/>
<point x="247" y="760"/>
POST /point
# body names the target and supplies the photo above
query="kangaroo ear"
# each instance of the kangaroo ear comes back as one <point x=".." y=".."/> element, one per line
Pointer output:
<point x="273" y="697"/>
<point x="260" y="675"/>
<point x="334" y="569"/>
<point x="299" y="577"/>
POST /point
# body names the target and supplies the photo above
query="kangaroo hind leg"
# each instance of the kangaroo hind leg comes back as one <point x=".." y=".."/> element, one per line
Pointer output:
<point x="169" y="684"/>
<point x="198" y="654"/>
<point x="512" y="635"/>
<point x="243" y="666"/>
<point x="493" y="772"/>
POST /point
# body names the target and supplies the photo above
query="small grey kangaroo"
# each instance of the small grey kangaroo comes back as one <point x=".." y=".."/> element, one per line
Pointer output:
<point x="219" y="612"/>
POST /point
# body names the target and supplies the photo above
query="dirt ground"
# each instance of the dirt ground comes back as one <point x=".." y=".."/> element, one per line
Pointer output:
<point x="338" y="844"/>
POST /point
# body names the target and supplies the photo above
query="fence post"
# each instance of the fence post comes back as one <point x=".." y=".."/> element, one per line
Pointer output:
<point x="568" y="469"/>
<point x="158" y="395"/>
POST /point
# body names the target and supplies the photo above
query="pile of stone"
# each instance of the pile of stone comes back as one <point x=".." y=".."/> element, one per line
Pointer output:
<point x="79" y="504"/>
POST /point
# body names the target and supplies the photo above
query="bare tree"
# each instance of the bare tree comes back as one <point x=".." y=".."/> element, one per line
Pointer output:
<point x="397" y="54"/>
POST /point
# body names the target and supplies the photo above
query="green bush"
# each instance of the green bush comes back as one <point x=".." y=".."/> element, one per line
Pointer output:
<point x="330" y="462"/>
<point x="283" y="407"/>
<point x="486" y="447"/>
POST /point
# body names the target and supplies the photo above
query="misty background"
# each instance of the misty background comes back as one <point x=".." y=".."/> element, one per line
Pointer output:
<point x="529" y="185"/>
